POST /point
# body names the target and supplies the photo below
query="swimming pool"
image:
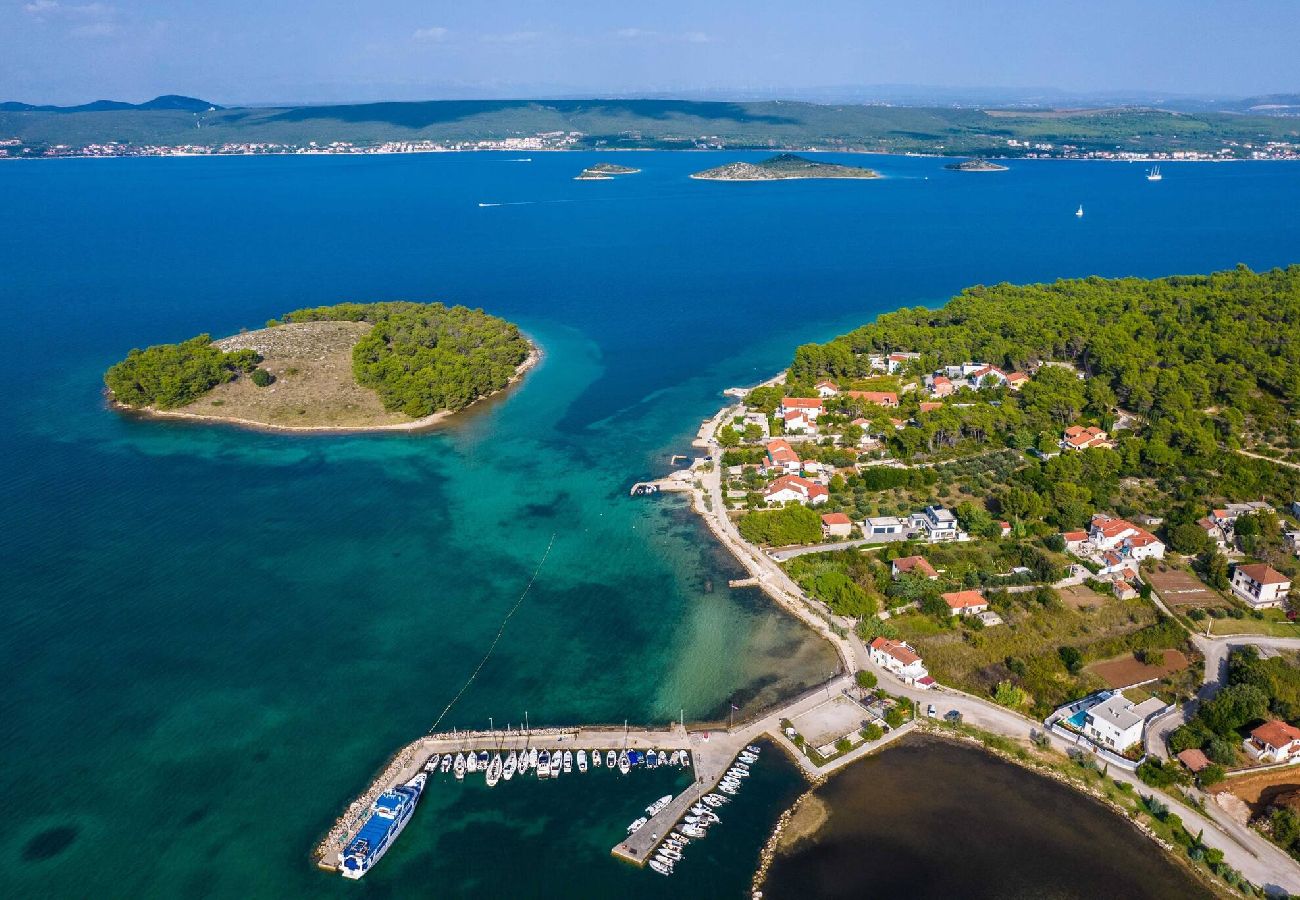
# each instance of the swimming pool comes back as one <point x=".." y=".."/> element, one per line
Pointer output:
<point x="1078" y="720"/>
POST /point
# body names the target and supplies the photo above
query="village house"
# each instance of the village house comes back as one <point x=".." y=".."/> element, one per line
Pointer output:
<point x="809" y="406"/>
<point x="797" y="421"/>
<point x="1074" y="540"/>
<point x="1004" y="529"/>
<point x="901" y="659"/>
<point x="1195" y="760"/>
<point x="981" y="377"/>
<point x="912" y="565"/>
<point x="940" y="386"/>
<point x="1274" y="742"/>
<point x="836" y="524"/>
<point x="782" y="458"/>
<point x="929" y="407"/>
<point x="883" y="526"/>
<point x="965" y="603"/>
<point x="895" y="361"/>
<point x="938" y="523"/>
<point x="1260" y="585"/>
<point x="826" y="389"/>
<point x="1124" y="538"/>
<point x="887" y="399"/>
<point x="1079" y="438"/>
<point x="1116" y="722"/>
<point x="1214" y="532"/>
<point x="796" y="488"/>
<point x="1123" y="590"/>
<point x="1017" y="380"/>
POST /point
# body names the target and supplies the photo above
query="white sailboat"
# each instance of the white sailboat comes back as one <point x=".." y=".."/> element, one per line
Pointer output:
<point x="1079" y="212"/>
<point x="1153" y="174"/>
<point x="508" y="768"/>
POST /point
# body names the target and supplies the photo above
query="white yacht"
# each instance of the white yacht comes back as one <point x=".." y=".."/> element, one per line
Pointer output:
<point x="568" y="761"/>
<point x="654" y="808"/>
<point x="582" y="760"/>
<point x="460" y="766"/>
<point x="596" y="758"/>
<point x="471" y="763"/>
<point x="494" y="770"/>
<point x="611" y="759"/>
<point x="509" y="766"/>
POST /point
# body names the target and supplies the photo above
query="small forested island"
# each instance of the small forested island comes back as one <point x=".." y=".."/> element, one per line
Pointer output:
<point x="604" y="172"/>
<point x="975" y="165"/>
<point x="783" y="166"/>
<point x="353" y="366"/>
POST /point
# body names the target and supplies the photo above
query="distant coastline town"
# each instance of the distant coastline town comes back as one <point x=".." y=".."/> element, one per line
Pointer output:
<point x="185" y="126"/>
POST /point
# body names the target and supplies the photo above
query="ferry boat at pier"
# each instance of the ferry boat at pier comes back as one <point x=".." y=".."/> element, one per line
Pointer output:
<point x="388" y="816"/>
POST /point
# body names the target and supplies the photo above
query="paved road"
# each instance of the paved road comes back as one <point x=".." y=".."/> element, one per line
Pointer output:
<point x="792" y="552"/>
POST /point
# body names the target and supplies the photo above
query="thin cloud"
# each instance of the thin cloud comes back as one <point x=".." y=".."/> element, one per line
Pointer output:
<point x="696" y="37"/>
<point x="94" y="30"/>
<point x="55" y="8"/>
<point x="512" y="37"/>
<point x="435" y="33"/>
<point x="635" y="33"/>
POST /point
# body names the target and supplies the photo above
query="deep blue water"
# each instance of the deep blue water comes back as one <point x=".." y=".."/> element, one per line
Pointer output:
<point x="213" y="638"/>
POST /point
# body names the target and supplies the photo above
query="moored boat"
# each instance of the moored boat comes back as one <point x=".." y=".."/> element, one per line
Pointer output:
<point x="660" y="867"/>
<point x="460" y="766"/>
<point x="568" y="761"/>
<point x="611" y="759"/>
<point x="494" y="770"/>
<point x="471" y="763"/>
<point x="624" y="763"/>
<point x="532" y="758"/>
<point x="582" y="760"/>
<point x="509" y="766"/>
<point x="654" y="808"/>
<point x="632" y="829"/>
<point x="596" y="758"/>
<point x="557" y="763"/>
<point x="544" y="764"/>
<point x="388" y="816"/>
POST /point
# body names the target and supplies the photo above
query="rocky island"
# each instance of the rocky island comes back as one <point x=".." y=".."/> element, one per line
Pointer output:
<point x="604" y="172"/>
<point x="781" y="167"/>
<point x="975" y="165"/>
<point x="350" y="367"/>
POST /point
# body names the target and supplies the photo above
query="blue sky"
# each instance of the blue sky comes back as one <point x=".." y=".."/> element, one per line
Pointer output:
<point x="233" y="51"/>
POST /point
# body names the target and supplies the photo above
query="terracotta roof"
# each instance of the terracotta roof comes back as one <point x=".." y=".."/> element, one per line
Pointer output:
<point x="881" y="398"/>
<point x="1194" y="759"/>
<point x="910" y="564"/>
<point x="942" y="379"/>
<point x="836" y="519"/>
<point x="930" y="407"/>
<point x="897" y="649"/>
<point x="827" y="383"/>
<point x="1276" y="733"/>
<point x="964" y="599"/>
<point x="798" y="484"/>
<point x="1263" y="574"/>
<point x="781" y="452"/>
<point x="1017" y="377"/>
<point x="802" y="402"/>
<point x="1071" y="536"/>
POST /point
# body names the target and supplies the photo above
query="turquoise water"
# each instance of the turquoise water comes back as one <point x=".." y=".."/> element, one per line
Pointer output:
<point x="213" y="638"/>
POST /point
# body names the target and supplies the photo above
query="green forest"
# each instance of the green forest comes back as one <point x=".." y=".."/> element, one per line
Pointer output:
<point x="166" y="376"/>
<point x="425" y="357"/>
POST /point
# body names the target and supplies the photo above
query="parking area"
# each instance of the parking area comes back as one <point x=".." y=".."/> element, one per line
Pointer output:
<point x="830" y="721"/>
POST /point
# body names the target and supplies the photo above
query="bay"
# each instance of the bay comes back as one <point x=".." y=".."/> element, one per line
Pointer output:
<point x="214" y="637"/>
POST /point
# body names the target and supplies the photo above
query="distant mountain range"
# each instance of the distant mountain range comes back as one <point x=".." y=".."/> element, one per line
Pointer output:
<point x="167" y="101"/>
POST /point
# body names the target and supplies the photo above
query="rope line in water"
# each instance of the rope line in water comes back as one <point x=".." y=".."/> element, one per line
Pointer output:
<point x="497" y="639"/>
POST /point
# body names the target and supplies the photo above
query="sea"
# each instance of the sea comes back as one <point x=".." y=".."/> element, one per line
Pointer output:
<point x="213" y="638"/>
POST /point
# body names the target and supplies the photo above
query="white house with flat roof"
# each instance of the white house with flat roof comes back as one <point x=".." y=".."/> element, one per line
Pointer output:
<point x="938" y="524"/>
<point x="1116" y="723"/>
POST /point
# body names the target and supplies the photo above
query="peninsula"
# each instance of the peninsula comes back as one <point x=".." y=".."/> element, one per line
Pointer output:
<point x="604" y="172"/>
<point x="783" y="166"/>
<point x="975" y="165"/>
<point x="350" y="367"/>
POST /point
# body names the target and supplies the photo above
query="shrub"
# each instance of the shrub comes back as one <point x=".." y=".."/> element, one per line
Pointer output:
<point x="261" y="377"/>
<point x="866" y="680"/>
<point x="873" y="732"/>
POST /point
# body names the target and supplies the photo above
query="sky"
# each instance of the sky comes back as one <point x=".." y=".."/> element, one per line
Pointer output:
<point x="277" y="51"/>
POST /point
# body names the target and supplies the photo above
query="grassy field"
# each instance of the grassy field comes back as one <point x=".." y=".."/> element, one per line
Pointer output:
<point x="313" y="387"/>
<point x="1273" y="624"/>
<point x="1026" y="650"/>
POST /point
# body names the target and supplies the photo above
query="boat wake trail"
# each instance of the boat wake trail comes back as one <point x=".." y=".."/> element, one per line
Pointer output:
<point x="495" y="640"/>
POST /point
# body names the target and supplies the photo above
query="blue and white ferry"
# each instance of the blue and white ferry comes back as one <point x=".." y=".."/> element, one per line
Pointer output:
<point x="388" y="816"/>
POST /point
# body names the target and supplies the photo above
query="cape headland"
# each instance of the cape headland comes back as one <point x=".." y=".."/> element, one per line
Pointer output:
<point x="783" y="166"/>
<point x="350" y="367"/>
<point x="604" y="172"/>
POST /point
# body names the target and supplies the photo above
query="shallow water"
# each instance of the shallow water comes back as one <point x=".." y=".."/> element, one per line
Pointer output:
<point x="930" y="818"/>
<point x="213" y="638"/>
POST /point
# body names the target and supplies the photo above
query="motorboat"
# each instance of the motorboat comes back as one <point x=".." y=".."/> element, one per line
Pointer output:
<point x="544" y="764"/>
<point x="596" y="758"/>
<point x="568" y="761"/>
<point x="675" y="759"/>
<point x="582" y="760"/>
<point x="686" y="759"/>
<point x="460" y="766"/>
<point x="532" y="758"/>
<point x="471" y="763"/>
<point x="557" y="763"/>
<point x="753" y="748"/>
<point x="661" y="868"/>
<point x="624" y="763"/>
<point x="654" y="808"/>
<point x="611" y="759"/>
<point x="632" y="829"/>
<point x="652" y="759"/>
<point x="483" y="759"/>
<point x="446" y="764"/>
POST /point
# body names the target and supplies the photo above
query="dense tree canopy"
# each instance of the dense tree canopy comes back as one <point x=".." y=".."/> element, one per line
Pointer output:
<point x="166" y="376"/>
<point x="1224" y="346"/>
<point x="424" y="357"/>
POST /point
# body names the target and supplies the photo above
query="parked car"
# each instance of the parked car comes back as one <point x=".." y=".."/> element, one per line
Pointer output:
<point x="953" y="716"/>
<point x="931" y="711"/>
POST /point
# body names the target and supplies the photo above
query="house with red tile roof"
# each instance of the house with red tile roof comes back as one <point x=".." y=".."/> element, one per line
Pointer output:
<point x="1017" y="380"/>
<point x="1195" y="760"/>
<point x="901" y="659"/>
<point x="836" y="524"/>
<point x="1124" y="538"/>
<point x="1274" y="742"/>
<point x="965" y="603"/>
<point x="940" y="386"/>
<point x="796" y="488"/>
<point x="1076" y="437"/>
<point x="782" y="457"/>
<point x="888" y="399"/>
<point x="1259" y="585"/>
<point x="1074" y="540"/>
<point x="912" y="565"/>
<point x="812" y="407"/>
<point x="826" y="388"/>
<point x="798" y="421"/>
<point x="930" y="407"/>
